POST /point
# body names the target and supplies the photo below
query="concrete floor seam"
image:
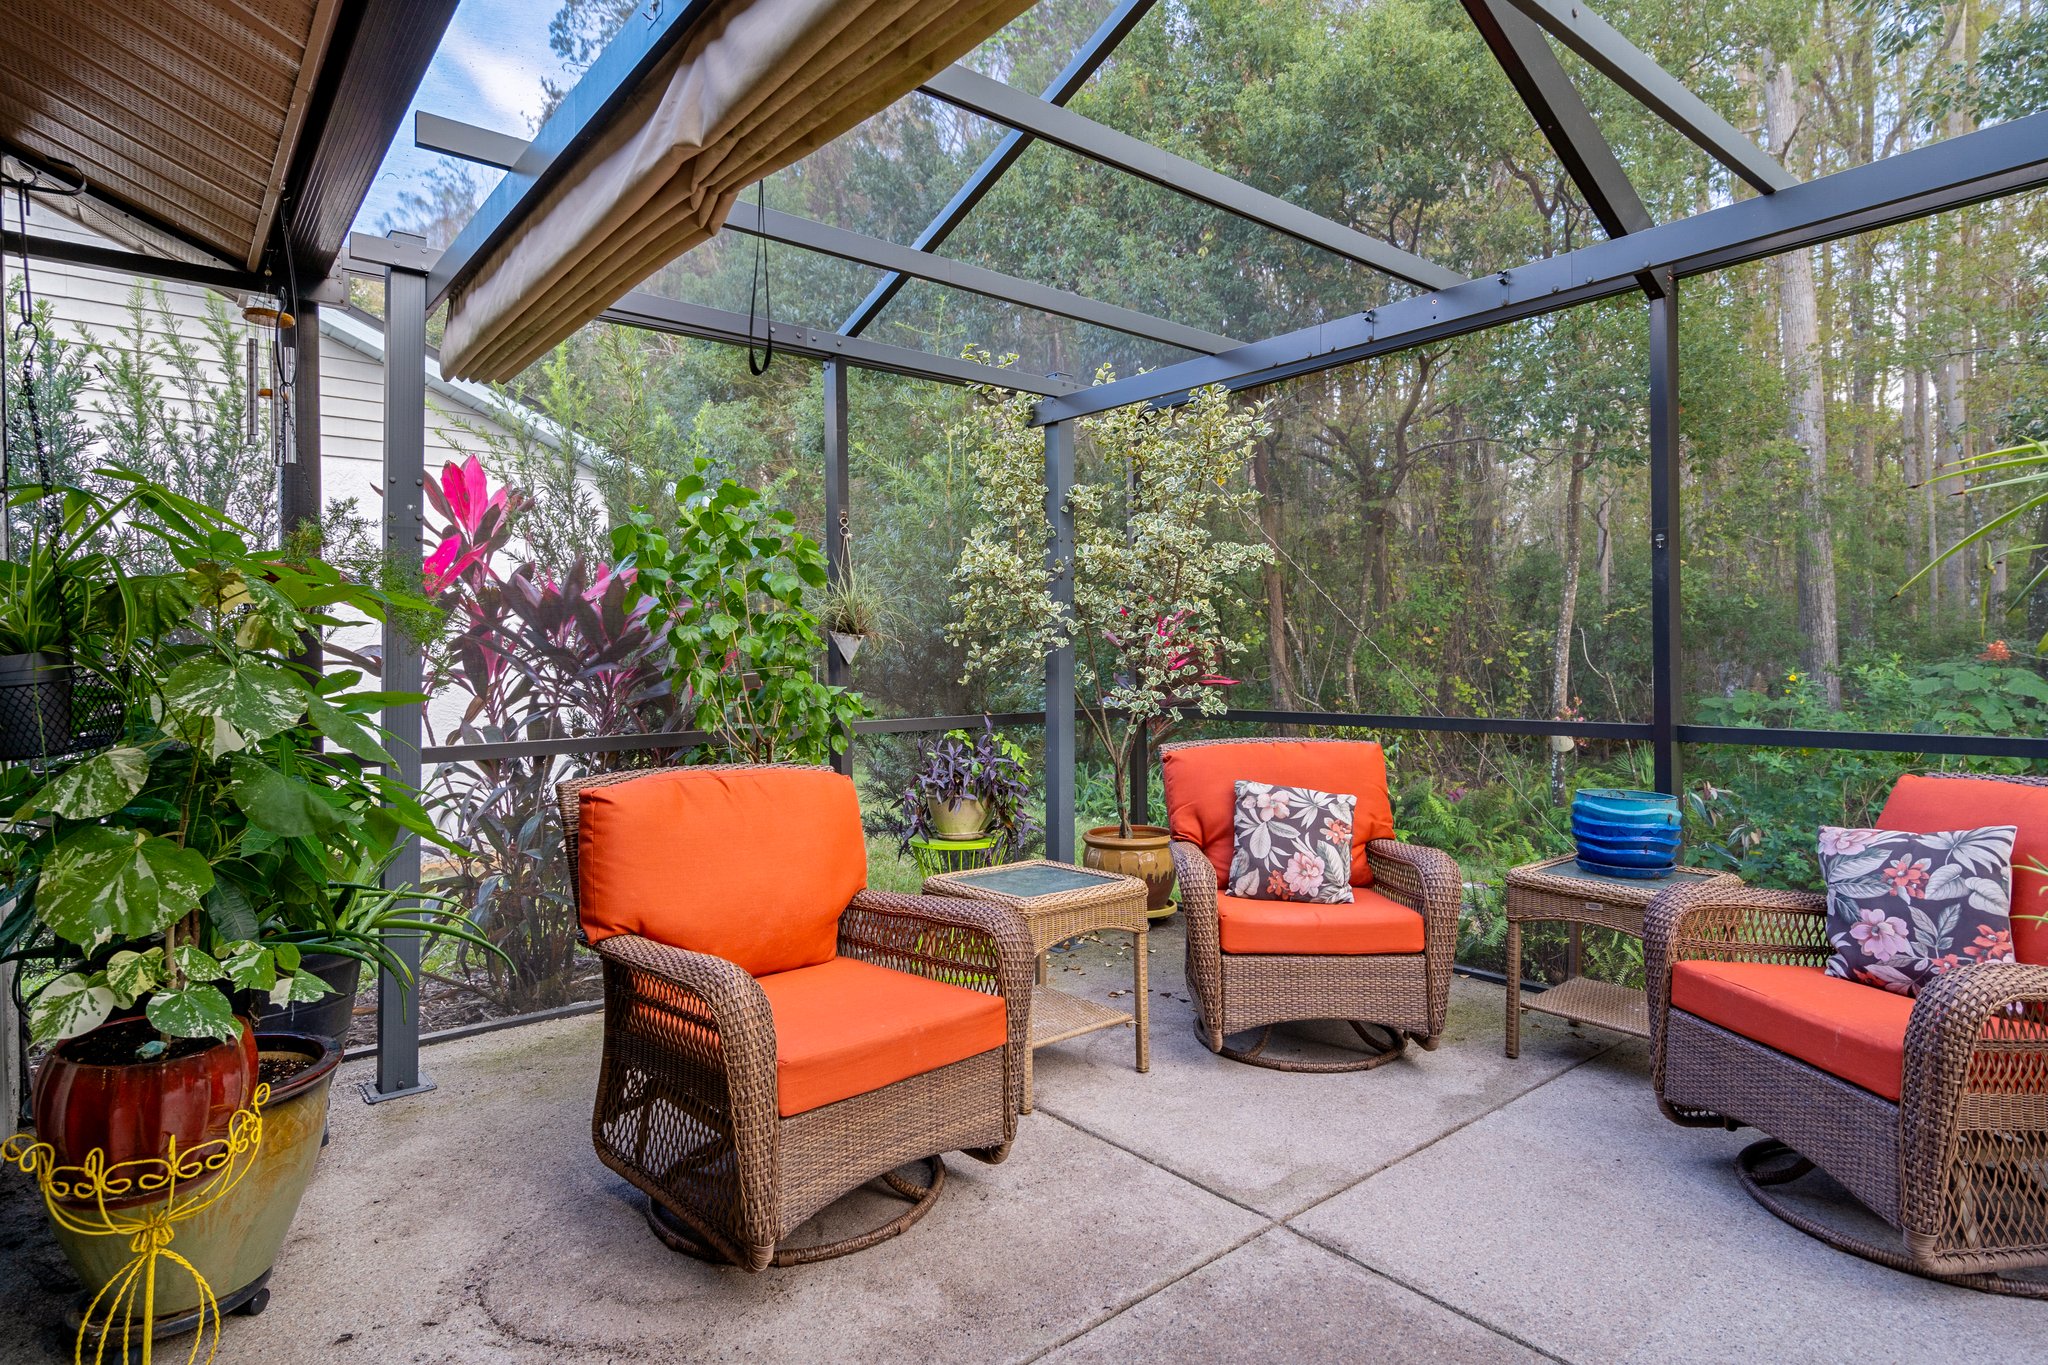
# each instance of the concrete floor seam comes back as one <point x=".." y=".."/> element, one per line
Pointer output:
<point x="1422" y="1293"/>
<point x="1417" y="1150"/>
<point x="1160" y="1288"/>
<point x="1154" y="1162"/>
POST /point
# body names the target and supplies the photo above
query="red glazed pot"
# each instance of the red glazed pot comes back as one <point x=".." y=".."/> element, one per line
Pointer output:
<point x="131" y="1110"/>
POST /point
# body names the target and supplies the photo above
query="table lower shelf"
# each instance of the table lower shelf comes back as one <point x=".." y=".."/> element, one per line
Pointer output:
<point x="1595" y="1002"/>
<point x="1056" y="1016"/>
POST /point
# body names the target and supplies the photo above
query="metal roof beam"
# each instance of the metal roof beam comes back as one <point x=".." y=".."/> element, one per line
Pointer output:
<point x="453" y="137"/>
<point x="376" y="59"/>
<point x="647" y="38"/>
<point x="656" y="314"/>
<point x="2004" y="159"/>
<point x="854" y="246"/>
<point x="992" y="99"/>
<point x="472" y="143"/>
<point x="1539" y="78"/>
<point x="224" y="278"/>
<point x="1092" y="54"/>
<point x="1629" y="67"/>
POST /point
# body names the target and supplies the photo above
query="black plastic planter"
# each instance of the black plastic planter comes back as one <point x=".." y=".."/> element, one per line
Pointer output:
<point x="330" y="1015"/>
<point x="35" y="707"/>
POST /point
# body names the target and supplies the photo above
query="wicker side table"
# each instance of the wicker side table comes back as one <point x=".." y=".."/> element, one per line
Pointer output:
<point x="1557" y="889"/>
<point x="1058" y="901"/>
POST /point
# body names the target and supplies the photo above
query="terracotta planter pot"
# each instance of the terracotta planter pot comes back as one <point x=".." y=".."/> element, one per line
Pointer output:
<point x="964" y="817"/>
<point x="1144" y="855"/>
<point x="235" y="1241"/>
<point x="131" y="1109"/>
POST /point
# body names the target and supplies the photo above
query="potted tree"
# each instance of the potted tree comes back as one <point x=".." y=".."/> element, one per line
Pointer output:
<point x="1149" y="568"/>
<point x="164" y="888"/>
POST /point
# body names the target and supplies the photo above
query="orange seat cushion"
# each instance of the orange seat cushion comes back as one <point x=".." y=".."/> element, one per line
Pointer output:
<point x="1929" y="805"/>
<point x="1371" y="923"/>
<point x="754" y="866"/>
<point x="1201" y="791"/>
<point x="1845" y="1028"/>
<point x="846" y="1027"/>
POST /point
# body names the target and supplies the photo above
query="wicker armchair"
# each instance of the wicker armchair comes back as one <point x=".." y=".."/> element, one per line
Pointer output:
<point x="1958" y="1162"/>
<point x="695" y="1100"/>
<point x="1390" y="987"/>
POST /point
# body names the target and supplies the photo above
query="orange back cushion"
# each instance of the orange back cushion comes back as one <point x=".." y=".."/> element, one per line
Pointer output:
<point x="751" y="866"/>
<point x="1928" y="805"/>
<point x="1201" y="790"/>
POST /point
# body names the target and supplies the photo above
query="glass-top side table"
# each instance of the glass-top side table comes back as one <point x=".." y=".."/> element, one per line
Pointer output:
<point x="1559" y="890"/>
<point x="1058" y="901"/>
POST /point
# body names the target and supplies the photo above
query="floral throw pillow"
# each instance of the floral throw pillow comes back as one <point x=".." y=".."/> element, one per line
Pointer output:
<point x="1904" y="908"/>
<point x="1292" y="844"/>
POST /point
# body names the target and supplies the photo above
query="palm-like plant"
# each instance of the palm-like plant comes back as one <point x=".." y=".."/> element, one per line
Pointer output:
<point x="2020" y="467"/>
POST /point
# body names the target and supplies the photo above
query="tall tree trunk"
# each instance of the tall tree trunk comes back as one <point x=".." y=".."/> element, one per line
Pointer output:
<point x="1603" y="522"/>
<point x="1567" y="620"/>
<point x="1799" y="327"/>
<point x="1279" y="662"/>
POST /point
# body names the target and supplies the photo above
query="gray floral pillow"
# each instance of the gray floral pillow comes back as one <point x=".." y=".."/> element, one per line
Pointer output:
<point x="1292" y="844"/>
<point x="1904" y="908"/>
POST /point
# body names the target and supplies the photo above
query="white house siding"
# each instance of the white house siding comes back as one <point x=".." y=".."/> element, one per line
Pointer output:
<point x="91" y="303"/>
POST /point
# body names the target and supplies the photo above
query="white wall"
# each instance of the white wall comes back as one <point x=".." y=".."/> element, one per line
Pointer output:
<point x="90" y="303"/>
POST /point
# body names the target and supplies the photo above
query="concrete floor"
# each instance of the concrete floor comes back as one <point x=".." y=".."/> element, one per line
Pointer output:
<point x="1450" y="1206"/>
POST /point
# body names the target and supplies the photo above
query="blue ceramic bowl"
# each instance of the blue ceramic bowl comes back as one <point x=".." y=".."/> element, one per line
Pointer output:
<point x="1627" y="807"/>
<point x="1623" y="855"/>
<point x="1628" y="836"/>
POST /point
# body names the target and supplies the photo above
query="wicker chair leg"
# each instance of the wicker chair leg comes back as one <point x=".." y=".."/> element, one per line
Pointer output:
<point x="678" y="1236"/>
<point x="1382" y="1050"/>
<point x="1763" y="1166"/>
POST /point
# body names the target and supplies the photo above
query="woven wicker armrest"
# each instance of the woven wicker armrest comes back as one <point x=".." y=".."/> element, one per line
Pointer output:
<point x="1424" y="879"/>
<point x="1195" y="880"/>
<point x="723" y="990"/>
<point x="1973" y="1118"/>
<point x="969" y="943"/>
<point x="1727" y="922"/>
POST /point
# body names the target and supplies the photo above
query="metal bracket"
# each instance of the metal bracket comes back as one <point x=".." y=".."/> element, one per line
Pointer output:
<point x="371" y="1095"/>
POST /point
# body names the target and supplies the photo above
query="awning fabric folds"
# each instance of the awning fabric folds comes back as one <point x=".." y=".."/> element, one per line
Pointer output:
<point x="758" y="85"/>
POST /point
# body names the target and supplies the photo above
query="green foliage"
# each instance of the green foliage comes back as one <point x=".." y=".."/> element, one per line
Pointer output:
<point x="1149" y="567"/>
<point x="728" y="589"/>
<point x="218" y="830"/>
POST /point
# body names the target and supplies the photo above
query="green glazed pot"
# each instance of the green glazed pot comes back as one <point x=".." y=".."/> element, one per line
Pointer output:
<point x="234" y="1242"/>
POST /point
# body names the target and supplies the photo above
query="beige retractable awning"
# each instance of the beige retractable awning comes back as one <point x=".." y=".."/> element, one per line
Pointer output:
<point x="758" y="85"/>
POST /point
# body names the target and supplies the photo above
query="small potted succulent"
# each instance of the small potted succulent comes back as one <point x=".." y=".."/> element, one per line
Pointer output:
<point x="852" y="613"/>
<point x="967" y="786"/>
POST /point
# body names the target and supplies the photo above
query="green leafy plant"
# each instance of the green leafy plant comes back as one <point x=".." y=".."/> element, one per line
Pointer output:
<point x="242" y="819"/>
<point x="1150" y="570"/>
<point x="728" y="587"/>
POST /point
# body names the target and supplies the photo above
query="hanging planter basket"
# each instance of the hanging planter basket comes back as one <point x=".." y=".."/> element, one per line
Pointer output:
<point x="847" y="645"/>
<point x="50" y="708"/>
<point x="35" y="706"/>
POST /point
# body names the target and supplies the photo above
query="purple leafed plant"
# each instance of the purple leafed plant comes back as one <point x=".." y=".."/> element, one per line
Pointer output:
<point x="958" y="765"/>
<point x="531" y="658"/>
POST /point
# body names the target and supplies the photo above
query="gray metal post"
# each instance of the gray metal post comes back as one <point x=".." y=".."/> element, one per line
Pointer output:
<point x="298" y="479"/>
<point x="1665" y="529"/>
<point x="838" y="533"/>
<point x="405" y="442"/>
<point x="1141" y="779"/>
<point x="1060" y="754"/>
